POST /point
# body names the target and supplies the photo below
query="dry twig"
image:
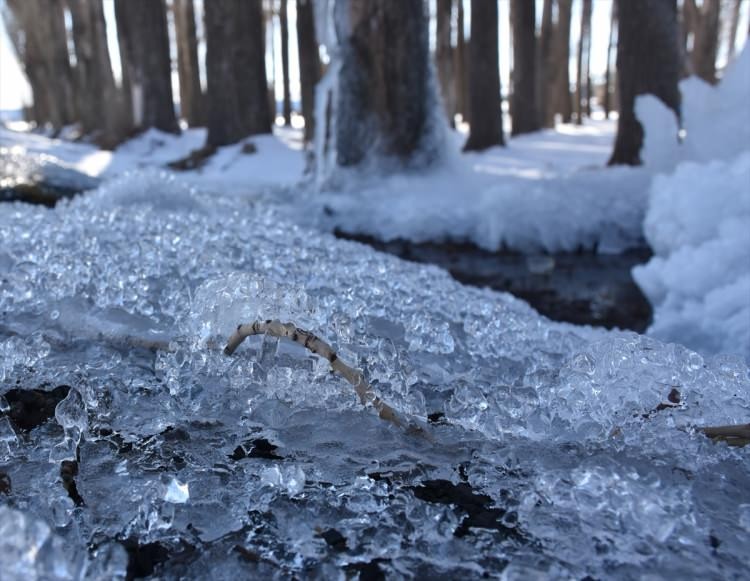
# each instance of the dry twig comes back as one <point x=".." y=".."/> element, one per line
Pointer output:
<point x="735" y="435"/>
<point x="316" y="345"/>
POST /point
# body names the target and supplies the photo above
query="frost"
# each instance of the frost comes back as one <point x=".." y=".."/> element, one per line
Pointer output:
<point x="559" y="451"/>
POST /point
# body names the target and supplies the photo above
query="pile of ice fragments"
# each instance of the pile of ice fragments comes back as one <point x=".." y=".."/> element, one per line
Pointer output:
<point x="130" y="444"/>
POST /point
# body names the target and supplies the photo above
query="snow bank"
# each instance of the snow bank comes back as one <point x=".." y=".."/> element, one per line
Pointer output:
<point x="547" y="191"/>
<point x="716" y="120"/>
<point x="698" y="224"/>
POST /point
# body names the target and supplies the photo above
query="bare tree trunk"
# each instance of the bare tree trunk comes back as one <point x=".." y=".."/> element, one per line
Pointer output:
<point x="581" y="69"/>
<point x="563" y="102"/>
<point x="524" y="107"/>
<point x="309" y="63"/>
<point x="235" y="71"/>
<point x="608" y="88"/>
<point x="460" y="68"/>
<point x="485" y="112"/>
<point x="704" y="26"/>
<point x="385" y="104"/>
<point x="284" y="24"/>
<point x="191" y="94"/>
<point x="144" y="51"/>
<point x="544" y="76"/>
<point x="648" y="61"/>
<point x="99" y="101"/>
<point x="734" y="24"/>
<point x="444" y="57"/>
<point x="42" y="42"/>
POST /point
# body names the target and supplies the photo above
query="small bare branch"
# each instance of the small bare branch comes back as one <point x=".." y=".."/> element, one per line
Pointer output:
<point x="316" y="345"/>
<point x="735" y="435"/>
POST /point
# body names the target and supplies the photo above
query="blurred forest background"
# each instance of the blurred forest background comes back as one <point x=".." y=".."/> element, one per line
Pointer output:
<point x="113" y="68"/>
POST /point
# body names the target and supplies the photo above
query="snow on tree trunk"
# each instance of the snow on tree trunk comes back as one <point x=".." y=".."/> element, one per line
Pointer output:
<point x="192" y="104"/>
<point x="235" y="71"/>
<point x="648" y="61"/>
<point x="485" y="114"/>
<point x="144" y="52"/>
<point x="386" y="102"/>
<point x="524" y="99"/>
<point x="460" y="64"/>
<point x="309" y="63"/>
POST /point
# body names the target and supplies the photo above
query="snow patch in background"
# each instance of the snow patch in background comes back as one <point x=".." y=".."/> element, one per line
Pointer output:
<point x="698" y="219"/>
<point x="698" y="224"/>
<point x="548" y="191"/>
<point x="716" y="120"/>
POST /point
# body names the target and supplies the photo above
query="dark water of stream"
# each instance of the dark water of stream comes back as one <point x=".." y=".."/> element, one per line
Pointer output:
<point x="584" y="288"/>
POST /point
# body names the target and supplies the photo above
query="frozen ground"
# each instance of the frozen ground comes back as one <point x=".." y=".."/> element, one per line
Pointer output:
<point x="558" y="451"/>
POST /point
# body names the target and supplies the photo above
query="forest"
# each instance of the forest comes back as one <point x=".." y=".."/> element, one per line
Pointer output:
<point x="373" y="289"/>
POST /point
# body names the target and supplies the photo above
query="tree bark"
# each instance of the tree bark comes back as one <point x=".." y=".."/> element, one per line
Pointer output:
<point x="734" y="24"/>
<point x="284" y="25"/>
<point x="235" y="71"/>
<point x="543" y="84"/>
<point x="309" y="63"/>
<point x="705" y="37"/>
<point x="385" y="103"/>
<point x="608" y="89"/>
<point x="460" y="68"/>
<point x="99" y="102"/>
<point x="144" y="52"/>
<point x="648" y="61"/>
<point x="525" y="114"/>
<point x="485" y="112"/>
<point x="191" y="95"/>
<point x="41" y="41"/>
<point x="562" y="102"/>
<point x="582" y="76"/>
<point x="444" y="57"/>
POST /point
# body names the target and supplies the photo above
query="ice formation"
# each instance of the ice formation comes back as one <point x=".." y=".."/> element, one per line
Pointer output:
<point x="698" y="215"/>
<point x="699" y="280"/>
<point x="559" y="451"/>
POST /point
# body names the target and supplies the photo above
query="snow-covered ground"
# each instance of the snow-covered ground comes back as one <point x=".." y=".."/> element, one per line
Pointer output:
<point x="558" y="451"/>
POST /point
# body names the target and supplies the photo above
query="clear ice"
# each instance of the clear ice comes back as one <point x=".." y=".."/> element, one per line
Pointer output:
<point x="558" y="450"/>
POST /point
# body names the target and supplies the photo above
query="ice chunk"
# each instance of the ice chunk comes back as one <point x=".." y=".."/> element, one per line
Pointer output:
<point x="176" y="492"/>
<point x="291" y="479"/>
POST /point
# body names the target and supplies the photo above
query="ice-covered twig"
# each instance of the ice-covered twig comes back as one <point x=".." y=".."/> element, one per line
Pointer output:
<point x="316" y="345"/>
<point x="734" y="435"/>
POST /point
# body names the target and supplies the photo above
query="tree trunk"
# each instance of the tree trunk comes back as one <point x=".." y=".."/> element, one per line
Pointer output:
<point x="562" y="99"/>
<point x="42" y="43"/>
<point x="525" y="115"/>
<point x="444" y="57"/>
<point x="543" y="82"/>
<point x="704" y="23"/>
<point x="284" y="24"/>
<point x="460" y="68"/>
<point x="485" y="112"/>
<point x="582" y="77"/>
<point x="608" y="71"/>
<point x="648" y="61"/>
<point x="100" y="103"/>
<point x="235" y="71"/>
<point x="309" y="63"/>
<point x="734" y="24"/>
<point x="385" y="103"/>
<point x="191" y="94"/>
<point x="144" y="52"/>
